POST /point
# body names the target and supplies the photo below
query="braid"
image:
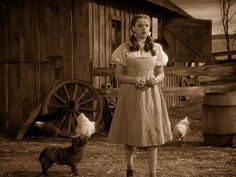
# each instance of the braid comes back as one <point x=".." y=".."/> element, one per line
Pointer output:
<point x="149" y="45"/>
<point x="134" y="42"/>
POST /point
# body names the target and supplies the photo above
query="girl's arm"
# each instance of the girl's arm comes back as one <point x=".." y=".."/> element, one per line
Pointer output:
<point x="159" y="76"/>
<point x="120" y="75"/>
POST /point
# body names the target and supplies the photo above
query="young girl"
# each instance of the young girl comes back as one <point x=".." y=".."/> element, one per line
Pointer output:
<point x="140" y="119"/>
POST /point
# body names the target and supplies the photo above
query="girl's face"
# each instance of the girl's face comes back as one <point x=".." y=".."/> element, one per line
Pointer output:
<point x="141" y="28"/>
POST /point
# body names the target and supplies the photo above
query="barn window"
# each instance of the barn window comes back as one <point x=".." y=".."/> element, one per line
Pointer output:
<point x="115" y="33"/>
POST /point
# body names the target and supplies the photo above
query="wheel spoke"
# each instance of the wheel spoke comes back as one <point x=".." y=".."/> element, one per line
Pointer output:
<point x="69" y="126"/>
<point x="62" y="121"/>
<point x="82" y="95"/>
<point x="72" y="122"/>
<point x="59" y="98"/>
<point x="67" y="94"/>
<point x="75" y="91"/>
<point x="87" y="101"/>
<point x="88" y="109"/>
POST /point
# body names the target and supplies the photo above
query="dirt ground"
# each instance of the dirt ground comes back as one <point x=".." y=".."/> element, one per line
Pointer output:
<point x="103" y="159"/>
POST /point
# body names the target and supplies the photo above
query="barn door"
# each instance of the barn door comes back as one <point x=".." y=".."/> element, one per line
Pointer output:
<point x="187" y="40"/>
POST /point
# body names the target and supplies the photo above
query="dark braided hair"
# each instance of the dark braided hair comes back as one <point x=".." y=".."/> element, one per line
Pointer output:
<point x="149" y="43"/>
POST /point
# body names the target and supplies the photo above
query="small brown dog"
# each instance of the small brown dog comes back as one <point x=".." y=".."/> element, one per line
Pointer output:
<point x="63" y="156"/>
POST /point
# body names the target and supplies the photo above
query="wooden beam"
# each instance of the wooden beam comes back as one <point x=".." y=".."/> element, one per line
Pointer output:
<point x="224" y="53"/>
<point x="218" y="79"/>
<point x="179" y="91"/>
<point x="225" y="69"/>
<point x="104" y="71"/>
<point x="29" y="121"/>
<point x="197" y="90"/>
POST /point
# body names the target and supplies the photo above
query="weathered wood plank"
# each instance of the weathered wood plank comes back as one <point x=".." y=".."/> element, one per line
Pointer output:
<point x="217" y="79"/>
<point x="13" y="94"/>
<point x="95" y="41"/>
<point x="207" y="70"/>
<point x="107" y="35"/>
<point x="178" y="91"/>
<point x="46" y="44"/>
<point x="197" y="90"/>
<point x="4" y="31"/>
<point x="90" y="40"/>
<point x="224" y="53"/>
<point x="81" y="42"/>
<point x="104" y="71"/>
<point x="33" y="114"/>
<point x="63" y="38"/>
<point x="108" y="44"/>
<point x="15" y="102"/>
<point x="2" y="97"/>
<point x="4" y="55"/>
<point x="14" y="17"/>
<point x="30" y="55"/>
<point x="101" y="44"/>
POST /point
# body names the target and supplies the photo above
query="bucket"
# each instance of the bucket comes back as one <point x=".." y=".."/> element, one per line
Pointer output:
<point x="219" y="118"/>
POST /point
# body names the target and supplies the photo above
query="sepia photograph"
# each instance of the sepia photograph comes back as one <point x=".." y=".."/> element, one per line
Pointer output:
<point x="118" y="88"/>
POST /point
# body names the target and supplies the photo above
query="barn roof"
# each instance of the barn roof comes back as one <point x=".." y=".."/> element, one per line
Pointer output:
<point x="170" y="6"/>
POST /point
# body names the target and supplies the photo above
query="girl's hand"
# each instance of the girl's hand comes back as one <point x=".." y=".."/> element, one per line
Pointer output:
<point x="151" y="82"/>
<point x="139" y="82"/>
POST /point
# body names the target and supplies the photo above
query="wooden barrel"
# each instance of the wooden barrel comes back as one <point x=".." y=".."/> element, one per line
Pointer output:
<point x="219" y="118"/>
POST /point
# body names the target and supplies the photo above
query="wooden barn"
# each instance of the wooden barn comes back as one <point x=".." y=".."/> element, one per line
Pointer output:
<point x="47" y="41"/>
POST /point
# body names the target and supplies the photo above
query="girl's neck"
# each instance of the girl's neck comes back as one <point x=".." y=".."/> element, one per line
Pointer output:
<point x="141" y="42"/>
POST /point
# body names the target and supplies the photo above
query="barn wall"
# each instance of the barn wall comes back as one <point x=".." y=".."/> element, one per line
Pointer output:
<point x="190" y="39"/>
<point x="41" y="42"/>
<point x="46" y="41"/>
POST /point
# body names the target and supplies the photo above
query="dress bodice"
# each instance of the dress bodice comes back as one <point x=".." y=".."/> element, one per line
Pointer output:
<point x="144" y="66"/>
<point x="139" y="62"/>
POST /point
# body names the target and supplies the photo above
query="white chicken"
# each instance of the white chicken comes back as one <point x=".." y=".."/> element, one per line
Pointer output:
<point x="181" y="129"/>
<point x="84" y="127"/>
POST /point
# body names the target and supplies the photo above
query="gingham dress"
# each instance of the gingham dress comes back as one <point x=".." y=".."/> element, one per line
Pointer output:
<point x="140" y="118"/>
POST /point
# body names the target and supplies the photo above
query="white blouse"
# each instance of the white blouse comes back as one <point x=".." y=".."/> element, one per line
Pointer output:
<point x="122" y="53"/>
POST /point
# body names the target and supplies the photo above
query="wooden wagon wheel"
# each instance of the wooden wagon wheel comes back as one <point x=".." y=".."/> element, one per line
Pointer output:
<point x="73" y="97"/>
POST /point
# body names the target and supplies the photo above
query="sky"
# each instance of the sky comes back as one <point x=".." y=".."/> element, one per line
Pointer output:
<point x="207" y="9"/>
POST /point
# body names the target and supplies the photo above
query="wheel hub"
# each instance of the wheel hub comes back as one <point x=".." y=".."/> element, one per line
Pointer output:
<point x="72" y="105"/>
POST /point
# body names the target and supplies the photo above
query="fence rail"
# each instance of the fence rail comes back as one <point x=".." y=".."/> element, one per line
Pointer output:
<point x="215" y="77"/>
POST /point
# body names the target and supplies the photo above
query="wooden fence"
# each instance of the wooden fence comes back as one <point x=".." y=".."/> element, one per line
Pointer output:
<point x="212" y="77"/>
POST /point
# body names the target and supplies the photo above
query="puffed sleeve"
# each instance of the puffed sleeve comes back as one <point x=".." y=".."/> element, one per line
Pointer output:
<point x="162" y="58"/>
<point x="119" y="56"/>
